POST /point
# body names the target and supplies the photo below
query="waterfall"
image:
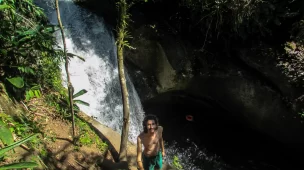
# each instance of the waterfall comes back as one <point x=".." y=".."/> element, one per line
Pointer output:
<point x="88" y="36"/>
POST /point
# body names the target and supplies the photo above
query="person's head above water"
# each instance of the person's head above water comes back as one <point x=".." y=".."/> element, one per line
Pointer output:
<point x="150" y="123"/>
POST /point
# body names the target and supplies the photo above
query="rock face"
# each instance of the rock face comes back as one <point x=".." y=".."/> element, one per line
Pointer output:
<point x="151" y="58"/>
<point x="258" y="96"/>
<point x="269" y="67"/>
<point x="254" y="103"/>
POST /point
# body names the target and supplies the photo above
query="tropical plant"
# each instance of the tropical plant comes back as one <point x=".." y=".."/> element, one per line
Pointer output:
<point x="65" y="102"/>
<point x="7" y="138"/>
<point x="5" y="134"/>
<point x="26" y="46"/>
<point x="292" y="62"/>
<point x="241" y="18"/>
<point x="33" y="92"/>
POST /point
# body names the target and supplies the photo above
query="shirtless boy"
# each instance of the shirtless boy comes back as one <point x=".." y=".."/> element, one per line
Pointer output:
<point x="152" y="140"/>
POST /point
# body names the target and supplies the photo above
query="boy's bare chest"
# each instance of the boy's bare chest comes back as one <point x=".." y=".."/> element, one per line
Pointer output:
<point x="150" y="141"/>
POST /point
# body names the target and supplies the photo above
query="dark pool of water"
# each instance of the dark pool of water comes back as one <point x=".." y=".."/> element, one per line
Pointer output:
<point x="216" y="140"/>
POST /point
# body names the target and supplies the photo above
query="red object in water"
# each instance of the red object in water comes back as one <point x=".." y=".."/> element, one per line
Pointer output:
<point x="189" y="117"/>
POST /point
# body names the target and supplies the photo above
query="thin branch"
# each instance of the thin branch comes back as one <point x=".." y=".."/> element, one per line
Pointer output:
<point x="202" y="49"/>
<point x="29" y="21"/>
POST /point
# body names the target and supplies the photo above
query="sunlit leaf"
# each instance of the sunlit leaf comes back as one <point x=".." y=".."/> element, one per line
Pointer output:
<point x="37" y="93"/>
<point x="31" y="93"/>
<point x="19" y="165"/>
<point x="81" y="102"/>
<point x="7" y="148"/>
<point x="5" y="134"/>
<point x="16" y="81"/>
<point x="2" y="7"/>
<point x="80" y="93"/>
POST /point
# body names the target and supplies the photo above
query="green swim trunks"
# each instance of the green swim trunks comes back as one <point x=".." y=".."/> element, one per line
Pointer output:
<point x="153" y="162"/>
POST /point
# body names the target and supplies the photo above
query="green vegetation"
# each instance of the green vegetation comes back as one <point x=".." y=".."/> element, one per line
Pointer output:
<point x="29" y="63"/>
<point x="87" y="136"/>
<point x="10" y="129"/>
<point x="19" y="165"/>
<point x="30" y="69"/>
<point x="242" y="18"/>
<point x="176" y="164"/>
<point x="30" y="58"/>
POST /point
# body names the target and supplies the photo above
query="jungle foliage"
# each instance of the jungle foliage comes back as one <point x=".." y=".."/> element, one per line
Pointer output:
<point x="29" y="62"/>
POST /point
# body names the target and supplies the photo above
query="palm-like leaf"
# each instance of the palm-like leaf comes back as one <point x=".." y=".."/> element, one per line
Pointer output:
<point x="13" y="145"/>
<point x="19" y="165"/>
<point x="71" y="55"/>
<point x="81" y="102"/>
<point x="80" y="93"/>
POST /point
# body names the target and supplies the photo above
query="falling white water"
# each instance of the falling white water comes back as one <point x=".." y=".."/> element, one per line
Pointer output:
<point x="87" y="36"/>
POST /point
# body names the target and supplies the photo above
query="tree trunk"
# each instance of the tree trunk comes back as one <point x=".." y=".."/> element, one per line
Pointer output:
<point x="126" y="109"/>
<point x="70" y="87"/>
<point x="122" y="78"/>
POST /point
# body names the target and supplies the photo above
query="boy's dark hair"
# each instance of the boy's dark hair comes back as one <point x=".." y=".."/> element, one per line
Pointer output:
<point x="149" y="117"/>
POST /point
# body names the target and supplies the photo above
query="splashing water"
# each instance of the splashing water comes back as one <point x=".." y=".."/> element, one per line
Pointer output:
<point x="193" y="158"/>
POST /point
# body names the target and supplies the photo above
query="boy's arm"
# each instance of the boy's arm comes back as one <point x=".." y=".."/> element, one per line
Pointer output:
<point x="139" y="153"/>
<point x="161" y="141"/>
<point x="162" y="147"/>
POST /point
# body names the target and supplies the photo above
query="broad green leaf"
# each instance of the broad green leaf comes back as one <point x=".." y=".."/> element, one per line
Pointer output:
<point x="7" y="148"/>
<point x="35" y="87"/>
<point x="80" y="93"/>
<point x="31" y="93"/>
<point x="27" y="96"/>
<point x="81" y="102"/>
<point x="37" y="93"/>
<point x="29" y="70"/>
<point x="21" y="69"/>
<point x="5" y="134"/>
<point x="19" y="165"/>
<point x="4" y="7"/>
<point x="16" y="81"/>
